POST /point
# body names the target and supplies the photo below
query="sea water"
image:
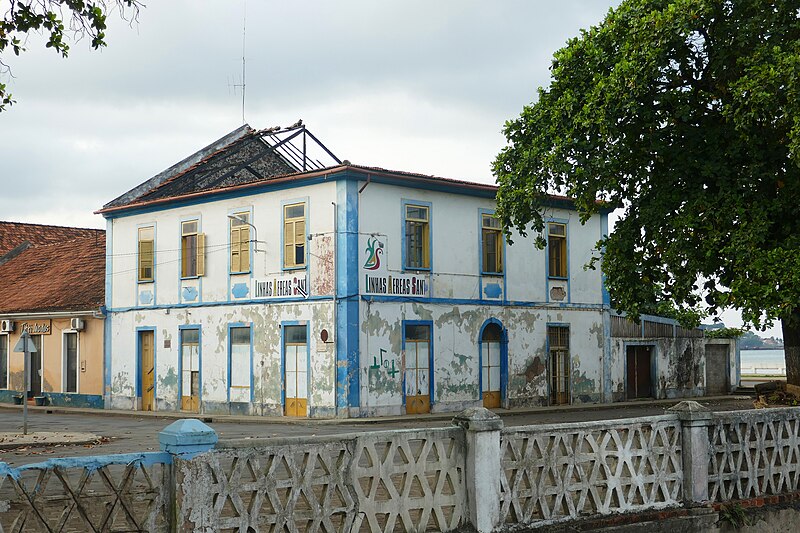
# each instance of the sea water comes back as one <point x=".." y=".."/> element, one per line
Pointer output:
<point x="763" y="362"/>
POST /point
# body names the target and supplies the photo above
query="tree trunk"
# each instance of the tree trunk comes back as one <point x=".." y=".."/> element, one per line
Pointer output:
<point x="791" y="347"/>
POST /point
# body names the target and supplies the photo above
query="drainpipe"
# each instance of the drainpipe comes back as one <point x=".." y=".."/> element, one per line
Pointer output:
<point x="335" y="303"/>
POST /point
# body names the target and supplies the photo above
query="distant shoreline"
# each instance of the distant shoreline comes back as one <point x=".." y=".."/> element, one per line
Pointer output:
<point x="763" y="348"/>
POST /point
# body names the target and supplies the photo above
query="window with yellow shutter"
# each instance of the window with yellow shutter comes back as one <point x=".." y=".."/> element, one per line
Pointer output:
<point x="146" y="253"/>
<point x="294" y="235"/>
<point x="557" y="250"/>
<point x="192" y="250"/>
<point x="240" y="243"/>
<point x="491" y="245"/>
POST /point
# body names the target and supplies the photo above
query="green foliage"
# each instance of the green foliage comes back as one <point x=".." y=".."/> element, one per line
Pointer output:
<point x="734" y="514"/>
<point x="83" y="19"/>
<point x="724" y="333"/>
<point x="686" y="115"/>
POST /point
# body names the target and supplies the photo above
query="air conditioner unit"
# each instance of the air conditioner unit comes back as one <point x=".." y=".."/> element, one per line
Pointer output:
<point x="77" y="324"/>
<point x="6" y="326"/>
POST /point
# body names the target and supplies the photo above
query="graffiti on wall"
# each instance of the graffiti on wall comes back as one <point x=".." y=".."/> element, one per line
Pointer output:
<point x="384" y="364"/>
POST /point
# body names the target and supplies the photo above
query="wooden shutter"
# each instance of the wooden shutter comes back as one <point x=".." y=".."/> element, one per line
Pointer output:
<point x="201" y="254"/>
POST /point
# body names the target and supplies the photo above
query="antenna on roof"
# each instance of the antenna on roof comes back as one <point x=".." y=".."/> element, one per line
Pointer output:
<point x="242" y="85"/>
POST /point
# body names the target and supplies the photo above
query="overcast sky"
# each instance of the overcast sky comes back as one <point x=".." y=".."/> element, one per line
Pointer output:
<point x="420" y="86"/>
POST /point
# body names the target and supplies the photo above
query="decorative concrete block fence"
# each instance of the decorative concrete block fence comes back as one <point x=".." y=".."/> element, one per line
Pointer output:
<point x="475" y="472"/>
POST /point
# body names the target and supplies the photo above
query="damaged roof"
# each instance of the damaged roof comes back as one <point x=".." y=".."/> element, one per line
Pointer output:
<point x="243" y="156"/>
<point x="65" y="275"/>
<point x="247" y="159"/>
<point x="14" y="234"/>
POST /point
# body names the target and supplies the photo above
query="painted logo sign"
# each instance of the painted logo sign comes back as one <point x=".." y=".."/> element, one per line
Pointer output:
<point x="374" y="251"/>
<point x="281" y="287"/>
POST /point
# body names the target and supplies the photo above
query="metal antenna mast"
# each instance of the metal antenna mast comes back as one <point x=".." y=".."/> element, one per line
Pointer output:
<point x="244" y="47"/>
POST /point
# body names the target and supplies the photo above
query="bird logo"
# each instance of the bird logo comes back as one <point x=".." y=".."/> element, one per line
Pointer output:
<point x="374" y="251"/>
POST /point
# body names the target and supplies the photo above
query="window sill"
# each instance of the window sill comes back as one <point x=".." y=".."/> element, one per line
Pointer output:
<point x="145" y="281"/>
<point x="558" y="278"/>
<point x="294" y="268"/>
<point x="184" y="278"/>
<point x="493" y="274"/>
<point x="239" y="273"/>
<point x="417" y="269"/>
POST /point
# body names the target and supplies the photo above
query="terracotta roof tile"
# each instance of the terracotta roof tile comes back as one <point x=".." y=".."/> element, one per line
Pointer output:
<point x="64" y="276"/>
<point x="12" y="234"/>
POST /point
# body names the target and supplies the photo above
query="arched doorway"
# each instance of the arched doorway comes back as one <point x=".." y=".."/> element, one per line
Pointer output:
<point x="494" y="362"/>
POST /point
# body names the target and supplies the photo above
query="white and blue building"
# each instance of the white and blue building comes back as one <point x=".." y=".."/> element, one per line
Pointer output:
<point x="252" y="277"/>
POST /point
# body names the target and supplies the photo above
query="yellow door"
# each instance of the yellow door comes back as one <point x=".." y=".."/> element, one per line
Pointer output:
<point x="490" y="366"/>
<point x="148" y="369"/>
<point x="295" y="351"/>
<point x="190" y="370"/>
<point x="417" y="369"/>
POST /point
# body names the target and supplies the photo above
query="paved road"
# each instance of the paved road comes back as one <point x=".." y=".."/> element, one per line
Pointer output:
<point x="132" y="434"/>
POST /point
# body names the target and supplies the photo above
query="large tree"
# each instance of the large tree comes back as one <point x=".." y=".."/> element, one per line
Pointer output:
<point x="59" y="21"/>
<point x="684" y="114"/>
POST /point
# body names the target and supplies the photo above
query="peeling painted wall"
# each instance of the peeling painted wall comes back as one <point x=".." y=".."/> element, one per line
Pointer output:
<point x="265" y="321"/>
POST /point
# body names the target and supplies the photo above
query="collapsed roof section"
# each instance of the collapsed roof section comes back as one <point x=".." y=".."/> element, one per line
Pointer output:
<point x="243" y="156"/>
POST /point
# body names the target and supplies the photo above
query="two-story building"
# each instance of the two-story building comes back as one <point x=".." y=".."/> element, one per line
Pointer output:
<point x="253" y="277"/>
<point x="51" y="286"/>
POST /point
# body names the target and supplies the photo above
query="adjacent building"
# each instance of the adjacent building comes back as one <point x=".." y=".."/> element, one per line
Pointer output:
<point x="52" y="286"/>
<point x="262" y="275"/>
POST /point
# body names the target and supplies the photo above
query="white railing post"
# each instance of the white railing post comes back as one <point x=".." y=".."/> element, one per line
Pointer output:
<point x="695" y="420"/>
<point x="483" y="468"/>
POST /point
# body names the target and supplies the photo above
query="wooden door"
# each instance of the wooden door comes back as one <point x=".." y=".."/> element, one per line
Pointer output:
<point x="147" y="364"/>
<point x="417" y="371"/>
<point x="35" y="368"/>
<point x="190" y="370"/>
<point x="490" y="366"/>
<point x="295" y="351"/>
<point x="639" y="367"/>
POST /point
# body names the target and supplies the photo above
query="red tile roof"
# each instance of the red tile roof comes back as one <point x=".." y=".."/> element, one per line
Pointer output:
<point x="12" y="234"/>
<point x="65" y="276"/>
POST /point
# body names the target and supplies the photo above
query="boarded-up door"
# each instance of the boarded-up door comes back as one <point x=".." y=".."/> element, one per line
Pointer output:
<point x="639" y="368"/>
<point x="417" y="373"/>
<point x="296" y="378"/>
<point x="147" y="364"/>
<point x="490" y="366"/>
<point x="190" y="370"/>
<point x="717" y="368"/>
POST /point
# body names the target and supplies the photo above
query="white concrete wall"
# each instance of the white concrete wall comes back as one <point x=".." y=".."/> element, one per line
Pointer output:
<point x="456" y="353"/>
<point x="214" y="305"/>
<point x="455" y="235"/>
<point x="214" y="322"/>
<point x="267" y="216"/>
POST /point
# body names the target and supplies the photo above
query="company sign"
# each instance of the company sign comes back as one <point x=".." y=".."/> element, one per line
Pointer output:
<point x="380" y="282"/>
<point x="287" y="286"/>
<point x="37" y="327"/>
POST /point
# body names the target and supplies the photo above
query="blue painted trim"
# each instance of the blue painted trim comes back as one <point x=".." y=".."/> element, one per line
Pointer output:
<point x="232" y="325"/>
<point x="109" y="276"/>
<point x="406" y="202"/>
<point x="337" y="176"/>
<point x="431" y="380"/>
<point x="260" y="301"/>
<point x="199" y="329"/>
<point x="188" y="218"/>
<point x="139" y="363"/>
<point x="348" y="378"/>
<point x="547" y="276"/>
<point x="307" y="213"/>
<point x="467" y="301"/>
<point x="283" y="362"/>
<point x="604" y="234"/>
<point x="237" y="211"/>
<point x="91" y="463"/>
<point x="141" y="284"/>
<point x="550" y="363"/>
<point x="74" y="399"/>
<point x="503" y="358"/>
<point x="653" y="365"/>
